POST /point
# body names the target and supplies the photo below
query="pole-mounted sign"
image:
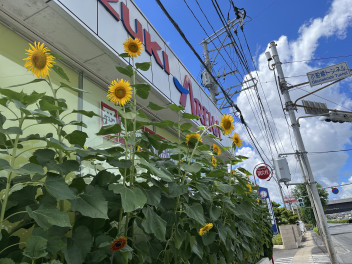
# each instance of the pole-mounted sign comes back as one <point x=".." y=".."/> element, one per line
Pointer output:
<point x="263" y="171"/>
<point x="329" y="74"/>
<point x="335" y="190"/>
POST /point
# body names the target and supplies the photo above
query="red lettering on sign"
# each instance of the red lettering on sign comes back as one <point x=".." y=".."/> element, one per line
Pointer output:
<point x="263" y="172"/>
<point x="151" y="47"/>
<point x="166" y="63"/>
<point x="110" y="9"/>
<point x="125" y="13"/>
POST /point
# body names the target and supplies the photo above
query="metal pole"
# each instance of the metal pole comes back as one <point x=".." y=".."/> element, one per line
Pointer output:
<point x="213" y="88"/>
<point x="311" y="182"/>
<point x="309" y="194"/>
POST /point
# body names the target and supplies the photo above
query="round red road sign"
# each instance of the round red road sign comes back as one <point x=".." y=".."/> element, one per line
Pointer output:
<point x="263" y="172"/>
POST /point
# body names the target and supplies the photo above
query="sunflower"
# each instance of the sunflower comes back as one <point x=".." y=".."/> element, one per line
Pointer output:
<point x="120" y="92"/>
<point x="133" y="47"/>
<point x="227" y="124"/>
<point x="236" y="140"/>
<point x="214" y="161"/>
<point x="205" y="229"/>
<point x="39" y="60"/>
<point x="139" y="149"/>
<point x="118" y="244"/>
<point x="192" y="138"/>
<point x="216" y="149"/>
<point x="249" y="188"/>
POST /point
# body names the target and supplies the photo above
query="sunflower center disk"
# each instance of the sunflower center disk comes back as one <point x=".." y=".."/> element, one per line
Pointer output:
<point x="120" y="93"/>
<point x="133" y="47"/>
<point x="227" y="124"/>
<point x="39" y="60"/>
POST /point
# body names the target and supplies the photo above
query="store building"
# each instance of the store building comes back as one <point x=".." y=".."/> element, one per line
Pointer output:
<point x="89" y="35"/>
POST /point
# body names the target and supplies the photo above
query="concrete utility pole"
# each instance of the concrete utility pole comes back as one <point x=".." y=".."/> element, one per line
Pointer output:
<point x="208" y="81"/>
<point x="311" y="182"/>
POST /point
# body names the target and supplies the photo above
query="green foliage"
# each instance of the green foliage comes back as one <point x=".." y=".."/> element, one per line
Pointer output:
<point x="284" y="216"/>
<point x="277" y="239"/>
<point x="342" y="221"/>
<point x="307" y="213"/>
<point x="159" y="204"/>
<point x="316" y="230"/>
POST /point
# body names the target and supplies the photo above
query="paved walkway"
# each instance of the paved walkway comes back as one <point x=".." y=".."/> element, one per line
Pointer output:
<point x="310" y="252"/>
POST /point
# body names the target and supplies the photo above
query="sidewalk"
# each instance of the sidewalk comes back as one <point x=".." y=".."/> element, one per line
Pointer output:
<point x="311" y="251"/>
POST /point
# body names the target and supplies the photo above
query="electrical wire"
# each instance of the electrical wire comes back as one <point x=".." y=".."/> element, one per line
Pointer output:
<point x="327" y="58"/>
<point x="329" y="151"/>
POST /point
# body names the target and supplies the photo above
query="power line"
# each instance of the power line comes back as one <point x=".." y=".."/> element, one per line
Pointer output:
<point x="327" y="58"/>
<point x="329" y="151"/>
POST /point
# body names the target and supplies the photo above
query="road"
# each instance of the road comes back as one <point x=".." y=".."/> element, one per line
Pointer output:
<point x="342" y="237"/>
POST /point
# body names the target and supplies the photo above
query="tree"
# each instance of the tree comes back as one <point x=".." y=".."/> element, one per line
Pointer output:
<point x="307" y="214"/>
<point x="284" y="216"/>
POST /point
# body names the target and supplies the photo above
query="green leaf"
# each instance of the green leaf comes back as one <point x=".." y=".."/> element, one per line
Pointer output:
<point x="195" y="211"/>
<point x="176" y="108"/>
<point x="214" y="212"/>
<point x="77" y="137"/>
<point x="224" y="187"/>
<point x="78" y="246"/>
<point x="244" y="171"/>
<point x="54" y="143"/>
<point x="91" y="203"/>
<point x="192" y="168"/>
<point x="124" y="55"/>
<point x="43" y="156"/>
<point x="35" y="247"/>
<point x="64" y="85"/>
<point x="144" y="66"/>
<point x="142" y="90"/>
<point x="190" y="116"/>
<point x="47" y="217"/>
<point x="154" y="224"/>
<point x="131" y="198"/>
<point x="153" y="196"/>
<point x="159" y="172"/>
<point x="30" y="168"/>
<point x="104" y="178"/>
<point x="47" y="106"/>
<point x="110" y="129"/>
<point x="6" y="261"/>
<point x="124" y="164"/>
<point x="196" y="248"/>
<point x="155" y="106"/>
<point x="164" y="123"/>
<point x="85" y="113"/>
<point x="25" y="99"/>
<point x="22" y="84"/>
<point x="60" y="71"/>
<point x="204" y="192"/>
<point x="208" y="238"/>
<point x="128" y="70"/>
<point x="57" y="187"/>
<point x="186" y="126"/>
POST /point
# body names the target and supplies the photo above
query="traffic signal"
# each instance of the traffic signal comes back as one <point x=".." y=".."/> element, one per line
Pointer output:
<point x="337" y="117"/>
<point x="300" y="202"/>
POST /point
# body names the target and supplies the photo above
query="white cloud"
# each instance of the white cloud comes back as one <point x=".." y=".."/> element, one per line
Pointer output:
<point x="317" y="135"/>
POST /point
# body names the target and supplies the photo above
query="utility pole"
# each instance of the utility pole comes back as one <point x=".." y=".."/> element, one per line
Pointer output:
<point x="310" y="196"/>
<point x="311" y="182"/>
<point x="207" y="80"/>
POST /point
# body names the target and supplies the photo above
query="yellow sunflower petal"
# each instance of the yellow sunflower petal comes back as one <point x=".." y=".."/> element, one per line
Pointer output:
<point x="227" y="124"/>
<point x="120" y="92"/>
<point x="39" y="61"/>
<point x="195" y="137"/>
<point x="236" y="140"/>
<point x="133" y="47"/>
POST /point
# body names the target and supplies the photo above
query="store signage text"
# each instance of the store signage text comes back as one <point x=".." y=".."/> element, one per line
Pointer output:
<point x="151" y="47"/>
<point x="207" y="119"/>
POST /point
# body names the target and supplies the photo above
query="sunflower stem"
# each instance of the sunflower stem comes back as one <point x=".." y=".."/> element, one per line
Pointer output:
<point x="58" y="131"/>
<point x="9" y="177"/>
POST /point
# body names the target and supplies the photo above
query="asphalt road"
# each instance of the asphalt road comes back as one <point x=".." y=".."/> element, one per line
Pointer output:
<point x="342" y="237"/>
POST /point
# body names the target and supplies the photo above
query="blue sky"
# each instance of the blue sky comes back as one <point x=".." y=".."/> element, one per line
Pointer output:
<point x="303" y="30"/>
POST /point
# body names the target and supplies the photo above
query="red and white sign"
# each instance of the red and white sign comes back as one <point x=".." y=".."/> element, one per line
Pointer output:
<point x="263" y="171"/>
<point x="290" y="199"/>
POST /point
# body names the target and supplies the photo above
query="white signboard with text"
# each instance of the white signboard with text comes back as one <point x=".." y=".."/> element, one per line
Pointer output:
<point x="329" y="74"/>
